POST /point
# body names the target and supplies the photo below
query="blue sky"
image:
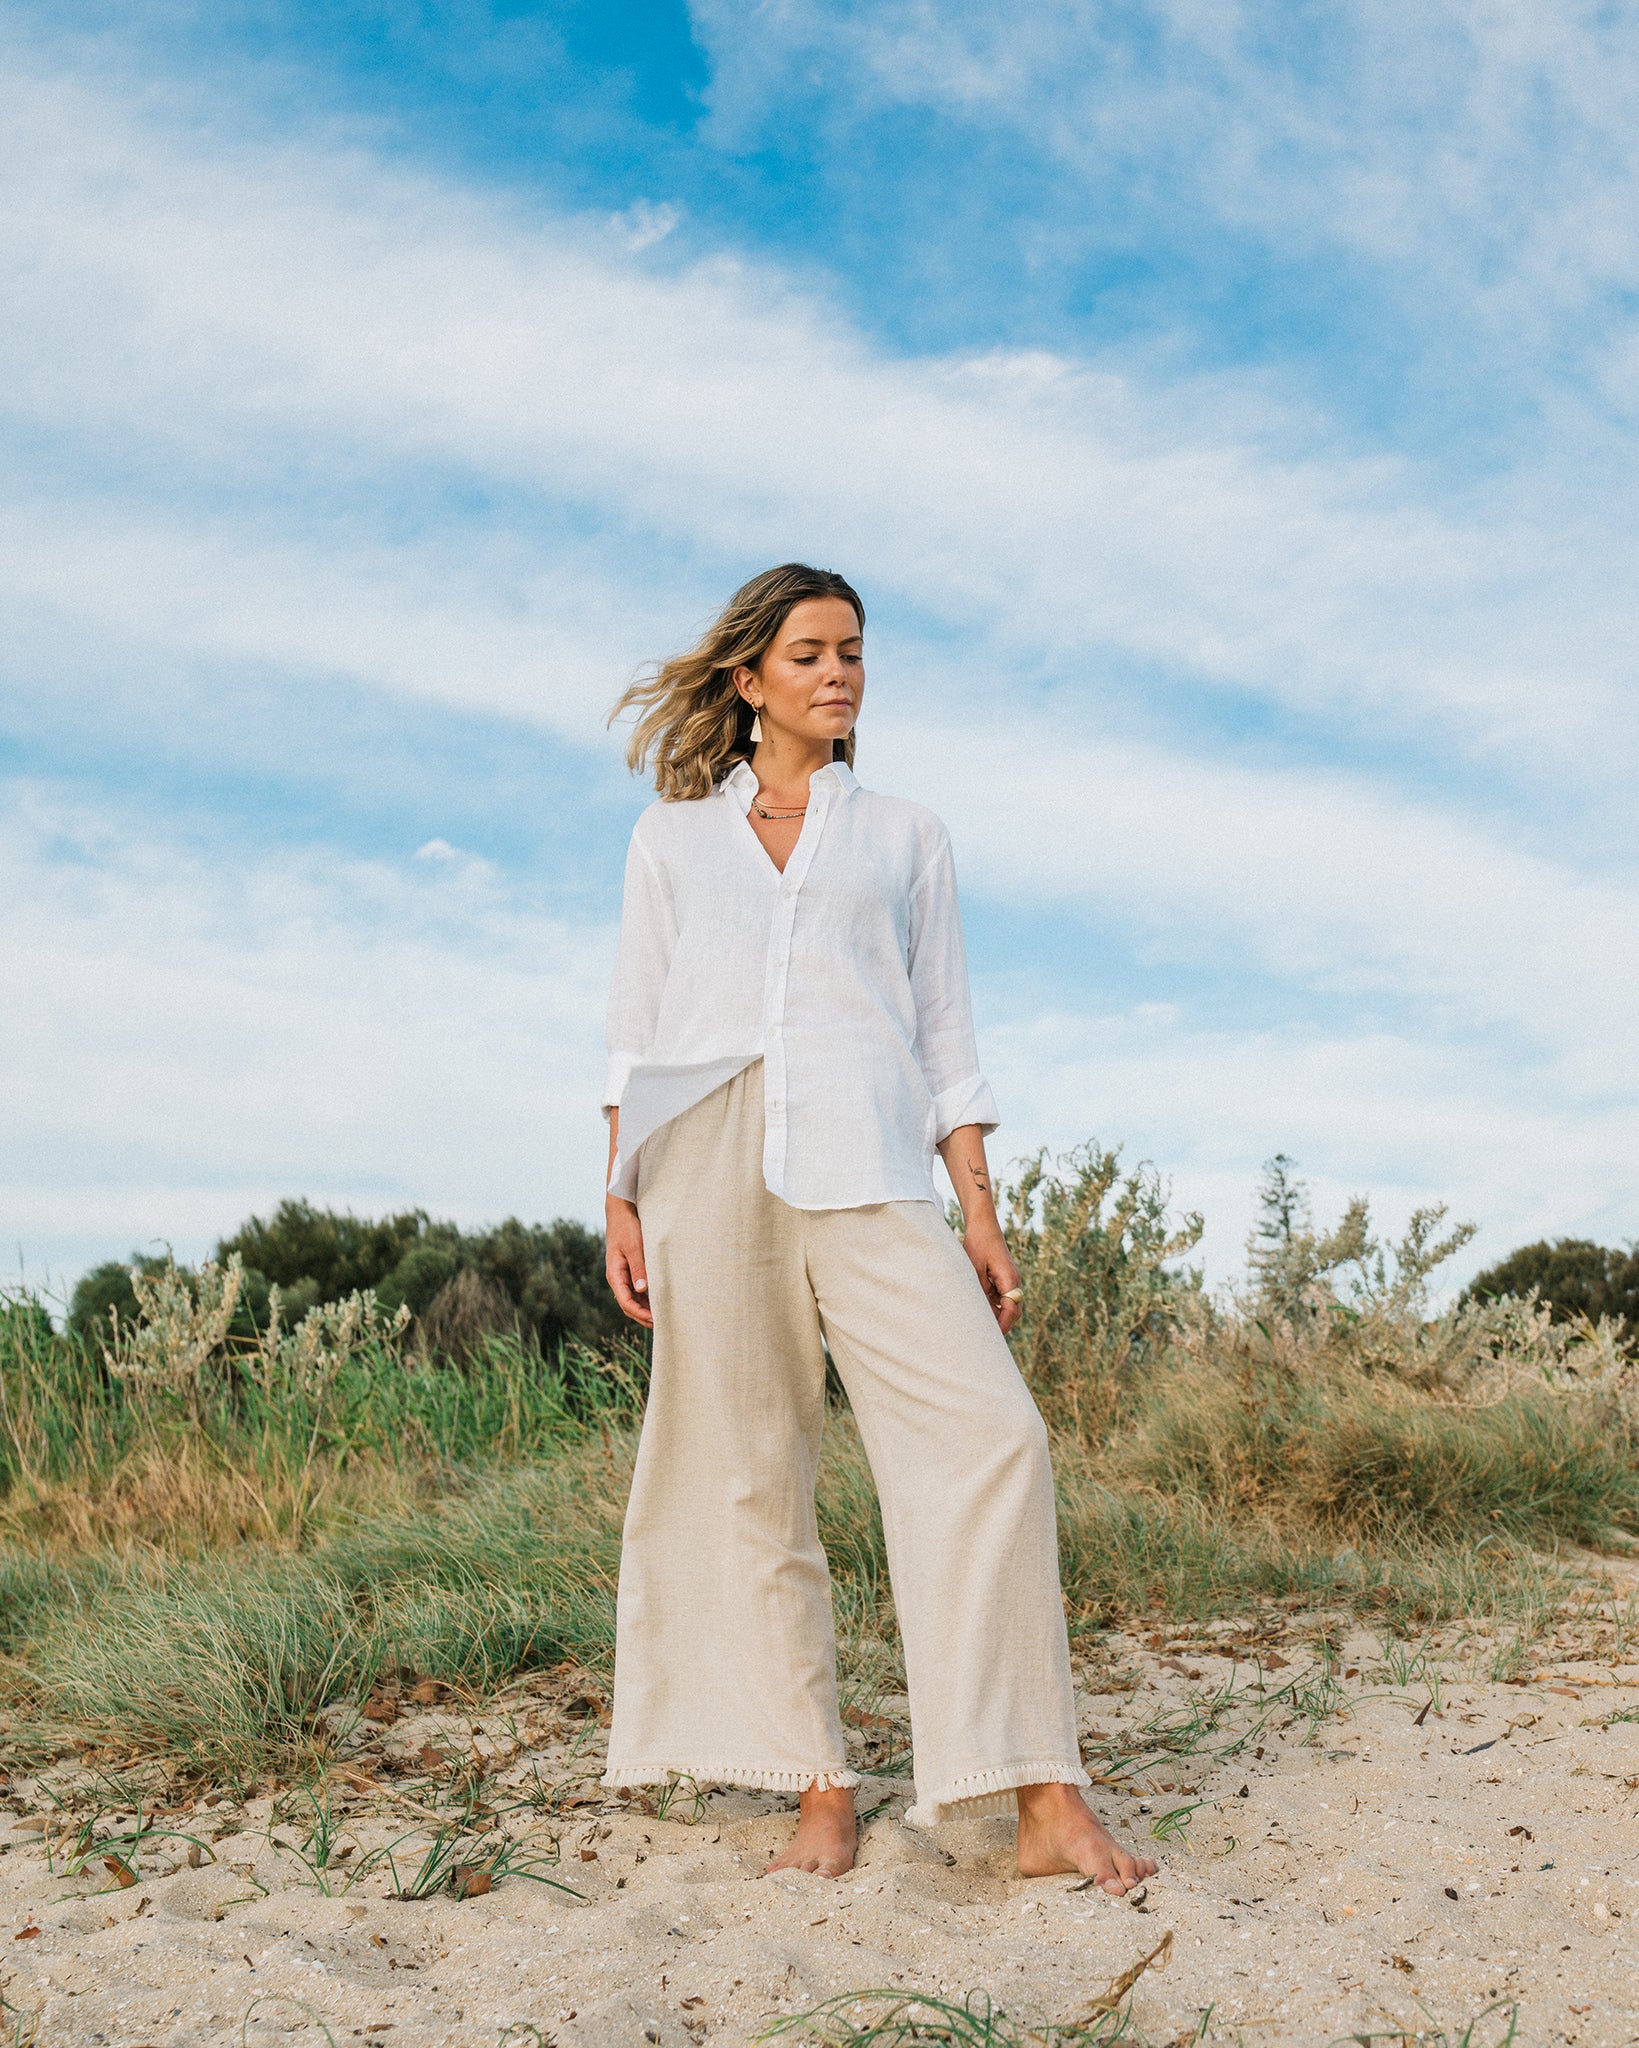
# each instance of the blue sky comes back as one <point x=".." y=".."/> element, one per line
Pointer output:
<point x="1228" y="413"/>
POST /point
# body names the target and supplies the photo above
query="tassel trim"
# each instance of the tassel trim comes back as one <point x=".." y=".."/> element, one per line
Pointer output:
<point x="747" y="1776"/>
<point x="991" y="1792"/>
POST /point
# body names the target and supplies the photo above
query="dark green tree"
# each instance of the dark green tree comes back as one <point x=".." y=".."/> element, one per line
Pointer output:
<point x="1572" y="1274"/>
<point x="340" y="1253"/>
<point x="104" y="1292"/>
<point x="552" y="1273"/>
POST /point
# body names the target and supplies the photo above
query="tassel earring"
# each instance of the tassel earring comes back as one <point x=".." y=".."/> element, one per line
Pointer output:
<point x="756" y="726"/>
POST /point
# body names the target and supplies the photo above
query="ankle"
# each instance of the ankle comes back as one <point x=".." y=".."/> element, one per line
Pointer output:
<point x="828" y="1801"/>
<point x="1047" y="1801"/>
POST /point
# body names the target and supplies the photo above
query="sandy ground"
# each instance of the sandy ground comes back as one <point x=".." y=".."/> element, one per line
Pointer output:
<point x="1382" y="1855"/>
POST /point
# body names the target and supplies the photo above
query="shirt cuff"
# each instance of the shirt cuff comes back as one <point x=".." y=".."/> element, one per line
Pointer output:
<point x="616" y="1075"/>
<point x="969" y="1102"/>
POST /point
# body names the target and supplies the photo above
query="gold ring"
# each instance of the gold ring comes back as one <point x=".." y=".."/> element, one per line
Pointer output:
<point x="1014" y="1294"/>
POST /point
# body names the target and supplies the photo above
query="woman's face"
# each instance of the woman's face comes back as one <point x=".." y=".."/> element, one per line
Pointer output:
<point x="810" y="682"/>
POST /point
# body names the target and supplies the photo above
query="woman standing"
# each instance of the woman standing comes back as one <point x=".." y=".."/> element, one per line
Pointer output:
<point x="790" y="1040"/>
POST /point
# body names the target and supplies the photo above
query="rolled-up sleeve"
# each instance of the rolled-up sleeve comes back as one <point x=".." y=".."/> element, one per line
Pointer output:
<point x="945" y="1045"/>
<point x="648" y="933"/>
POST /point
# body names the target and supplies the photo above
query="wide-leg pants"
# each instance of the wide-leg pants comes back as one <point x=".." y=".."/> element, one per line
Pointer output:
<point x="725" y="1661"/>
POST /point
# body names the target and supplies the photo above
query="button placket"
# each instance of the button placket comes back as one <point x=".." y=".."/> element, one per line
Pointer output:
<point x="776" y="1094"/>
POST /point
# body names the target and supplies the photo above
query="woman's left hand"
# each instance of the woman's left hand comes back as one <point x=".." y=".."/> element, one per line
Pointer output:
<point x="998" y="1276"/>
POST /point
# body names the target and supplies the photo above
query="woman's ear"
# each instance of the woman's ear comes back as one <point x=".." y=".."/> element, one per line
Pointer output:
<point x="742" y="678"/>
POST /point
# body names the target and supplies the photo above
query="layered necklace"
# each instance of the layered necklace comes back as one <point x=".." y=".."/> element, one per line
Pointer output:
<point x="757" y="806"/>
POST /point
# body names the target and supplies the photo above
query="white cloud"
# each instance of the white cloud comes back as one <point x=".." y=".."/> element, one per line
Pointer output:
<point x="191" y="1037"/>
<point x="1314" y="879"/>
<point x="219" y="305"/>
<point x="474" y="622"/>
<point x="1479" y="162"/>
<point x="642" y="224"/>
<point x="1400" y="1118"/>
<point x="272" y="334"/>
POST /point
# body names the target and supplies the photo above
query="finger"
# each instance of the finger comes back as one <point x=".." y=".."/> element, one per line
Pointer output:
<point x="631" y="1303"/>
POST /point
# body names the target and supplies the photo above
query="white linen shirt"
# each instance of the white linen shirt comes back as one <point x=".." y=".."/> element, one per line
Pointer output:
<point x="846" y="975"/>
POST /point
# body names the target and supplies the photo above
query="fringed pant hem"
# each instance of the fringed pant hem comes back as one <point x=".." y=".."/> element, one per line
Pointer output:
<point x="748" y="1776"/>
<point x="991" y="1792"/>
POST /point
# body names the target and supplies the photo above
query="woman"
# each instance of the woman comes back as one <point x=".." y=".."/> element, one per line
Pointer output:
<point x="790" y="1040"/>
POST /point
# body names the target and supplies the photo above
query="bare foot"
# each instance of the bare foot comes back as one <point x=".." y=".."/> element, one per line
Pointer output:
<point x="826" y="1835"/>
<point x="1058" y="1831"/>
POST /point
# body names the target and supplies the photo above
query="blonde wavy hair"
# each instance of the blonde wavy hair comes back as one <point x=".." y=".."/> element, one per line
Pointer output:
<point x="691" y="721"/>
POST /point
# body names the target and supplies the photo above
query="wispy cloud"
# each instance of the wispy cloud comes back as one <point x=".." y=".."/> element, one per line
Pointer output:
<point x="192" y="1039"/>
<point x="1480" y="162"/>
<point x="1072" y="511"/>
<point x="1186" y="662"/>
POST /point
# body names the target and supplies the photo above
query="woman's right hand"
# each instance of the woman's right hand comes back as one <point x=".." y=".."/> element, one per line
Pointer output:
<point x="623" y="1262"/>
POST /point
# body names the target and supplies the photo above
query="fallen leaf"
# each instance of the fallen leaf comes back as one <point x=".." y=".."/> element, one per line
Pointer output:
<point x="1400" y="1963"/>
<point x="1178" y="1666"/>
<point x="26" y="1933"/>
<point x="35" y="1825"/>
<point x="588" y="1855"/>
<point x="434" y="1759"/>
<point x="1565" y="1692"/>
<point x="381" y="1710"/>
<point x="1522" y="1829"/>
<point x="469" y="1882"/>
<point x="858" y="1717"/>
<point x="1275" y="1661"/>
<point x="427" y="1692"/>
<point x="122" y="1873"/>
<point x="688" y="2004"/>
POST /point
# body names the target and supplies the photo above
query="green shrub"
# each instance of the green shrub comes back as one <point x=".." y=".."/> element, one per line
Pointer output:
<point x="1097" y="1253"/>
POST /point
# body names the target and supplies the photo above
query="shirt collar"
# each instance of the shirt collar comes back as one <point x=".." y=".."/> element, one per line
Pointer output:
<point x="741" y="780"/>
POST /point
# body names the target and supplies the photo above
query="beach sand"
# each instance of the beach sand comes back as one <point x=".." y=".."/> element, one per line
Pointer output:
<point x="1399" y="1864"/>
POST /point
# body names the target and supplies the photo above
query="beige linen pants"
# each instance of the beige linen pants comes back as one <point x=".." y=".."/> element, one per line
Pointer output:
<point x="725" y="1660"/>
